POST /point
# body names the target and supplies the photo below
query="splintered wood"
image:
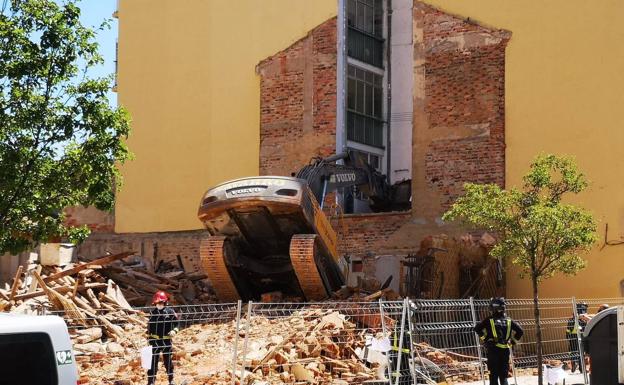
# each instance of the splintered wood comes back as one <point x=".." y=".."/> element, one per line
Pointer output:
<point x="100" y="291"/>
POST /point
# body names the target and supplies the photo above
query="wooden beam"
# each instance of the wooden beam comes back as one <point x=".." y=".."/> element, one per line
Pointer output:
<point x="34" y="282"/>
<point x="86" y="265"/>
<point x="16" y="281"/>
<point x="61" y="290"/>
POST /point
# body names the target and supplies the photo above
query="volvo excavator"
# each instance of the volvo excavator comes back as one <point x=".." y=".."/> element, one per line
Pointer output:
<point x="269" y="233"/>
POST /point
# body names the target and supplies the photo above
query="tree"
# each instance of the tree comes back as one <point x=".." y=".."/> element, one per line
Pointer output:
<point x="535" y="228"/>
<point x="60" y="140"/>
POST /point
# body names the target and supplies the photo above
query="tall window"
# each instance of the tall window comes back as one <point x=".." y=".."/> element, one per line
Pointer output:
<point x="364" y="107"/>
<point x="365" y="33"/>
<point x="365" y="15"/>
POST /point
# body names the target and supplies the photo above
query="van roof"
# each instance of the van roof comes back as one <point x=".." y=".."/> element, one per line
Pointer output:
<point x="13" y="323"/>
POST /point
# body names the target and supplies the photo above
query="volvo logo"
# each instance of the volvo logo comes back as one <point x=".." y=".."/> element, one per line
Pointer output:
<point x="342" y="178"/>
<point x="247" y="190"/>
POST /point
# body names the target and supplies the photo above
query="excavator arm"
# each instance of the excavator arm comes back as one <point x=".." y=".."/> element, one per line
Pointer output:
<point x="324" y="176"/>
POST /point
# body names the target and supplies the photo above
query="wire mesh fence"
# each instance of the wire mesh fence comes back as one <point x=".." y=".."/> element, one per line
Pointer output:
<point x="400" y="342"/>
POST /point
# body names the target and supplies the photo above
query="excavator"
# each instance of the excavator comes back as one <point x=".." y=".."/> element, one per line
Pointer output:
<point x="269" y="233"/>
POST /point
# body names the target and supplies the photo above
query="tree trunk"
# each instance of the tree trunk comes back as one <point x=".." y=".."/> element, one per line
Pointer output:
<point x="538" y="328"/>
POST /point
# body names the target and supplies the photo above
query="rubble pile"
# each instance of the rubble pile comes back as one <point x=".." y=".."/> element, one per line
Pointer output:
<point x="457" y="367"/>
<point x="108" y="284"/>
<point x="307" y="346"/>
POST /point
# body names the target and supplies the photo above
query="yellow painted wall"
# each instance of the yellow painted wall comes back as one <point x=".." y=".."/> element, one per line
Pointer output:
<point x="565" y="94"/>
<point x="187" y="77"/>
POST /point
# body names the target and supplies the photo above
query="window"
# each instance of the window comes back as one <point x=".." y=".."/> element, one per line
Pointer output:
<point x="365" y="16"/>
<point x="373" y="159"/>
<point x="27" y="359"/>
<point x="365" y="33"/>
<point x="364" y="107"/>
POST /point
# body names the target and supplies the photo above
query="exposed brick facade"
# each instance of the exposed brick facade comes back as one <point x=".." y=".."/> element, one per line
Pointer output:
<point x="458" y="136"/>
<point x="298" y="102"/>
<point x="96" y="220"/>
<point x="153" y="247"/>
<point x="361" y="234"/>
<point x="464" y="102"/>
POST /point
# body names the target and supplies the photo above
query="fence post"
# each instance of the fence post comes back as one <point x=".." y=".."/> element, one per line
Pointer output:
<point x="579" y="341"/>
<point x="384" y="331"/>
<point x="477" y="342"/>
<point x="247" y="328"/>
<point x="238" y="315"/>
<point x="401" y="335"/>
<point x="411" y="341"/>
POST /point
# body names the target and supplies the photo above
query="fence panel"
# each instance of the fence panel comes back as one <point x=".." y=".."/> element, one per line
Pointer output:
<point x="321" y="342"/>
<point x="444" y="340"/>
<point x="107" y="343"/>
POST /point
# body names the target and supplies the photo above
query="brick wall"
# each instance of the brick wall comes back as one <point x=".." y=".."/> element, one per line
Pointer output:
<point x="463" y="103"/>
<point x="153" y="247"/>
<point x="298" y="102"/>
<point x="458" y="136"/>
<point x="364" y="233"/>
<point x="96" y="220"/>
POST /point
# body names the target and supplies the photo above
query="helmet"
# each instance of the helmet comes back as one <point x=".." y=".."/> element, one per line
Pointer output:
<point x="160" y="296"/>
<point x="581" y="308"/>
<point x="498" y="305"/>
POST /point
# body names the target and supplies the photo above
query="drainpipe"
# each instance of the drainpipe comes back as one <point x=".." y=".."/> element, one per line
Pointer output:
<point x="341" y="72"/>
<point x="388" y="87"/>
<point x="341" y="81"/>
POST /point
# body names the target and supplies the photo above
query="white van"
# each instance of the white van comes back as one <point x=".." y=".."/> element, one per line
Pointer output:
<point x="35" y="350"/>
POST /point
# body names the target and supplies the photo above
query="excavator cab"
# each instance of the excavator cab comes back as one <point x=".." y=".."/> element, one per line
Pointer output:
<point x="268" y="234"/>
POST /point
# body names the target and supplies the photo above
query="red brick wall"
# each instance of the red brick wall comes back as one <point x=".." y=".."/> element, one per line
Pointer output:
<point x="464" y="103"/>
<point x="151" y="246"/>
<point x="298" y="102"/>
<point x="96" y="220"/>
<point x="364" y="233"/>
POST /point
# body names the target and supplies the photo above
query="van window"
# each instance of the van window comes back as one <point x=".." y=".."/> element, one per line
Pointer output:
<point x="27" y="359"/>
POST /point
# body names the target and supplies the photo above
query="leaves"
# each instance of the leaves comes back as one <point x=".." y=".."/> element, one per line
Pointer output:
<point x="60" y="141"/>
<point x="537" y="231"/>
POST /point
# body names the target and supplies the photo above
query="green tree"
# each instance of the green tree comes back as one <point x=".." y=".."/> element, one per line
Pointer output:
<point x="536" y="230"/>
<point x="60" y="140"/>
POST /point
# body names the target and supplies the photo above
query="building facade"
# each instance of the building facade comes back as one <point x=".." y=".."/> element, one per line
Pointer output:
<point x="434" y="94"/>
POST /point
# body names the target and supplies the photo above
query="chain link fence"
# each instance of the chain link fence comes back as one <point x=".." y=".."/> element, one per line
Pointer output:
<point x="400" y="342"/>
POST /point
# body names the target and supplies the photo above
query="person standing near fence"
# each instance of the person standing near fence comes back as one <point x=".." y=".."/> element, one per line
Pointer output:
<point x="496" y="333"/>
<point x="572" y="333"/>
<point x="161" y="327"/>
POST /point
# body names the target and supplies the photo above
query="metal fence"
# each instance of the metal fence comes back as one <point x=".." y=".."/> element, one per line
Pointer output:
<point x="419" y="342"/>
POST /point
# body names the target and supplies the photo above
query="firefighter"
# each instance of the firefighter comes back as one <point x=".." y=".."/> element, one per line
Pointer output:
<point x="161" y="327"/>
<point x="572" y="333"/>
<point x="496" y="333"/>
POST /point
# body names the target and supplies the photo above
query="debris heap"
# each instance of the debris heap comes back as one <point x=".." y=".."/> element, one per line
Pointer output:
<point x="107" y="284"/>
<point x="316" y="346"/>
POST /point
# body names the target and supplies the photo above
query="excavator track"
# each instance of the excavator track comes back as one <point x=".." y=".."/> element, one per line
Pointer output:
<point x="212" y="253"/>
<point x="302" y="252"/>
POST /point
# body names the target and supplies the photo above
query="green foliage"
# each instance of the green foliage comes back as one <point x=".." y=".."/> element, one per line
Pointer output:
<point x="539" y="232"/>
<point x="60" y="141"/>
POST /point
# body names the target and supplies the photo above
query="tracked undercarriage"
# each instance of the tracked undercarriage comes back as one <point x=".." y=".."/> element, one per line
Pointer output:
<point x="268" y="234"/>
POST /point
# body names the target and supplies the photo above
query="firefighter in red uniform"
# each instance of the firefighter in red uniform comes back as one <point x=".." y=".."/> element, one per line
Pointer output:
<point x="161" y="327"/>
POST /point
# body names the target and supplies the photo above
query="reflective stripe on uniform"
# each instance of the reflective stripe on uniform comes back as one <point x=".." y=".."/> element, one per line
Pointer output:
<point x="156" y="337"/>
<point x="395" y="345"/>
<point x="507" y="334"/>
<point x="573" y="330"/>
